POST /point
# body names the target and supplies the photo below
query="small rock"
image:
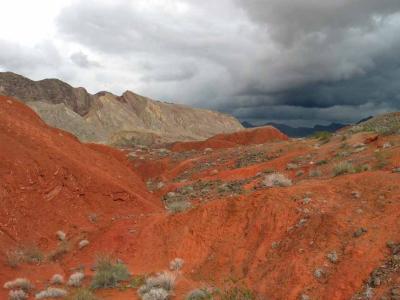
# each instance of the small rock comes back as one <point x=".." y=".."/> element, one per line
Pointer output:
<point x="61" y="235"/>
<point x="396" y="170"/>
<point x="356" y="194"/>
<point x="83" y="244"/>
<point x="387" y="145"/>
<point x="359" y="211"/>
<point x="359" y="232"/>
<point x="214" y="172"/>
<point x="208" y="150"/>
<point x="306" y="200"/>
<point x="359" y="145"/>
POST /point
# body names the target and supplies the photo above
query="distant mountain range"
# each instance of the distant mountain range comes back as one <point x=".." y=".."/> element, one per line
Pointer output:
<point x="124" y="120"/>
<point x="299" y="131"/>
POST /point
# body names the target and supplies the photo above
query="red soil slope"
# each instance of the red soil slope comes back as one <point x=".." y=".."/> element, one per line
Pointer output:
<point x="49" y="181"/>
<point x="246" y="137"/>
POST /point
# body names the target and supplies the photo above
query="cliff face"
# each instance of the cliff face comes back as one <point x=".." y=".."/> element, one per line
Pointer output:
<point x="51" y="91"/>
<point x="110" y="119"/>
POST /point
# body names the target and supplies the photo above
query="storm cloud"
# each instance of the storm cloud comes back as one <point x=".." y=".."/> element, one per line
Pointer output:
<point x="295" y="61"/>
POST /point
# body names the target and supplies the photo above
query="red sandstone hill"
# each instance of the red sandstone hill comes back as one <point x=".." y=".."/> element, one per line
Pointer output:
<point x="49" y="181"/>
<point x="320" y="232"/>
<point x="259" y="135"/>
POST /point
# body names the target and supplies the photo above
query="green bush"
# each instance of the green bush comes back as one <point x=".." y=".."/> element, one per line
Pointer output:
<point x="237" y="293"/>
<point x="199" y="294"/>
<point x="322" y="136"/>
<point x="109" y="273"/>
<point x="175" y="207"/>
<point x="343" y="168"/>
<point x="83" y="294"/>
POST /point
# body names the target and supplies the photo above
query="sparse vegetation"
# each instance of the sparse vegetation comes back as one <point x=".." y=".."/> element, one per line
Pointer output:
<point x="57" y="279"/>
<point x="236" y="291"/>
<point x="362" y="168"/>
<point x="62" y="249"/>
<point x="19" y="283"/>
<point x="83" y="294"/>
<point x="157" y="287"/>
<point x="199" y="294"/>
<point x="315" y="173"/>
<point x="136" y="281"/>
<point x="343" y="168"/>
<point x="156" y="294"/>
<point x="26" y="254"/>
<point x="51" y="292"/>
<point x="386" y="124"/>
<point x="109" y="273"/>
<point x="176" y="264"/>
<point x="381" y="159"/>
<point x="76" y="279"/>
<point x="276" y="179"/>
<point x="323" y="136"/>
<point x="321" y="162"/>
<point x="17" y="295"/>
<point x="174" y="207"/>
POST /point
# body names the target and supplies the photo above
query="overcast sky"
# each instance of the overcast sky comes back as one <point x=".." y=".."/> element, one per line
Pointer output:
<point x="290" y="61"/>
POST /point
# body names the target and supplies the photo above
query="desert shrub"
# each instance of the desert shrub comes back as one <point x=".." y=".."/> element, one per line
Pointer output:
<point x="174" y="207"/>
<point x="362" y="168"/>
<point x="159" y="286"/>
<point x="322" y="136"/>
<point x="83" y="294"/>
<point x="237" y="293"/>
<point x="32" y="255"/>
<point x="199" y="294"/>
<point x="109" y="273"/>
<point x="75" y="279"/>
<point x="315" y="173"/>
<point x="176" y="264"/>
<point x="25" y="254"/>
<point x="51" y="293"/>
<point x="14" y="258"/>
<point x="276" y="179"/>
<point x="321" y="162"/>
<point x="19" y="283"/>
<point x="136" y="281"/>
<point x="381" y="159"/>
<point x="62" y="249"/>
<point x="57" y="279"/>
<point x="156" y="294"/>
<point x="17" y="295"/>
<point x="343" y="168"/>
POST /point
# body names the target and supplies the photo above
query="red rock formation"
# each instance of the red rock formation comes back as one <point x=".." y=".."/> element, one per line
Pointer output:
<point x="259" y="135"/>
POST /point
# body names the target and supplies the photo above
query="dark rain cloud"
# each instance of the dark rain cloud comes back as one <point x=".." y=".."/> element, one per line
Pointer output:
<point x="302" y="61"/>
